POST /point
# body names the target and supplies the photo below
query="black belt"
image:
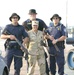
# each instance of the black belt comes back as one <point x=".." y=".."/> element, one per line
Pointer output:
<point x="13" y="47"/>
<point x="12" y="42"/>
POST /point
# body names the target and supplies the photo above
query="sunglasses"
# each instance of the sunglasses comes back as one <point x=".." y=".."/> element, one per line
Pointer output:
<point x="56" y="18"/>
<point x="14" y="17"/>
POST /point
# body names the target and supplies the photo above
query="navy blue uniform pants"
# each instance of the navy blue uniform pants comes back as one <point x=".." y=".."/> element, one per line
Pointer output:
<point x="57" y="58"/>
<point x="10" y="54"/>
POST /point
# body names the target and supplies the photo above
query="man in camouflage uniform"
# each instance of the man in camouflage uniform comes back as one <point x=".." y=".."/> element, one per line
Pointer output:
<point x="35" y="48"/>
<point x="28" y="26"/>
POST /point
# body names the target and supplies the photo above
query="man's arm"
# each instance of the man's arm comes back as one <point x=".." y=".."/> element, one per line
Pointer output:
<point x="12" y="37"/>
<point x="25" y="41"/>
<point x="24" y="24"/>
<point x="44" y="24"/>
<point x="62" y="38"/>
<point x="5" y="36"/>
<point x="48" y="37"/>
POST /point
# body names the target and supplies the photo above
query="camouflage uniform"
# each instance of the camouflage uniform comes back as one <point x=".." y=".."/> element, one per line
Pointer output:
<point x="36" y="48"/>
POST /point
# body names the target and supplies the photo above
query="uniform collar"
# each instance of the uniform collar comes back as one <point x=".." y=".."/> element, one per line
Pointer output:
<point x="35" y="32"/>
<point x="56" y="25"/>
<point x="14" y="25"/>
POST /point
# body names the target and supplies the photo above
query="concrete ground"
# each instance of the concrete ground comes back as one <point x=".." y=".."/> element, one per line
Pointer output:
<point x="24" y="68"/>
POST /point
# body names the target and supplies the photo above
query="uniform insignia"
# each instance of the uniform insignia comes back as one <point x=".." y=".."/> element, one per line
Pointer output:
<point x="29" y="23"/>
<point x="58" y="28"/>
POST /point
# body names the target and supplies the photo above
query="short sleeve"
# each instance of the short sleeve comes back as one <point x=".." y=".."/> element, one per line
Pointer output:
<point x="45" y="26"/>
<point x="25" y="34"/>
<point x="5" y="30"/>
<point x="64" y="31"/>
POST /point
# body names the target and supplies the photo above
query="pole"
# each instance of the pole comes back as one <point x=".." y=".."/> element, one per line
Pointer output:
<point x="66" y="14"/>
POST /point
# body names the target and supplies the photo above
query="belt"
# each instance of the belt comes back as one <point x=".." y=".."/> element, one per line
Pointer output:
<point x="12" y="42"/>
<point x="14" y="47"/>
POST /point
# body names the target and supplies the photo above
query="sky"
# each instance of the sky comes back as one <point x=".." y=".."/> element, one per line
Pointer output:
<point x="44" y="8"/>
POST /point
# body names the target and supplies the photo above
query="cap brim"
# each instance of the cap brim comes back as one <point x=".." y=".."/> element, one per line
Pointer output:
<point x="53" y="17"/>
<point x="32" y="13"/>
<point x="12" y="16"/>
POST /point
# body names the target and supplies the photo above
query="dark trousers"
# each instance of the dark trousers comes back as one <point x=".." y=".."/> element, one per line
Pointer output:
<point x="10" y="54"/>
<point x="47" y="68"/>
<point x="59" y="59"/>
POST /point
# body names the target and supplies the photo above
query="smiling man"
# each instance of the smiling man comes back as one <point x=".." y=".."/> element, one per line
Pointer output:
<point x="28" y="26"/>
<point x="37" y="49"/>
<point x="11" y="32"/>
<point x="56" y="35"/>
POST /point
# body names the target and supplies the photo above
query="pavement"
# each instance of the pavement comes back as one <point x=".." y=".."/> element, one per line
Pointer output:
<point x="24" y="68"/>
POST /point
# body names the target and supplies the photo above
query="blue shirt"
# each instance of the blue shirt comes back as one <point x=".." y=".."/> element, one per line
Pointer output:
<point x="28" y="24"/>
<point x="18" y="31"/>
<point x="56" y="31"/>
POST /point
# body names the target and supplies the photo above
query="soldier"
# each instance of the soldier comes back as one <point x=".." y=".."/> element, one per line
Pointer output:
<point x="56" y="36"/>
<point x="28" y="26"/>
<point x="35" y="36"/>
<point x="11" y="32"/>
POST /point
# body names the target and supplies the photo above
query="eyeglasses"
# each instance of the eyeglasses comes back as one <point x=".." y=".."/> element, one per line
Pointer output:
<point x="56" y="18"/>
<point x="15" y="17"/>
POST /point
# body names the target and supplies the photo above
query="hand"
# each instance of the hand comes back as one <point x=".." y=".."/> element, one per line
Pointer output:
<point x="54" y="41"/>
<point x="46" y="37"/>
<point x="23" y="45"/>
<point x="12" y="37"/>
<point x="51" y="37"/>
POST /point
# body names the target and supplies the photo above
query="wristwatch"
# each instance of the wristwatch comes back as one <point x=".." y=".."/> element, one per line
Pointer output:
<point x="56" y="40"/>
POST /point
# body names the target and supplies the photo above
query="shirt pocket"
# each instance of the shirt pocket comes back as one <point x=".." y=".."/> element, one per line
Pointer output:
<point x="32" y="38"/>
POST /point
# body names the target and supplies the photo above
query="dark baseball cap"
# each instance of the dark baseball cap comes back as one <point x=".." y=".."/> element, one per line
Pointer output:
<point x="32" y="11"/>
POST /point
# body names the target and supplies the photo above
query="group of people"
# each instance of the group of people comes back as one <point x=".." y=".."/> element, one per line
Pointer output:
<point x="31" y="35"/>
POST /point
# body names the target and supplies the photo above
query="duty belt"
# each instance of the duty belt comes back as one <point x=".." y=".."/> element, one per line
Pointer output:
<point x="12" y="42"/>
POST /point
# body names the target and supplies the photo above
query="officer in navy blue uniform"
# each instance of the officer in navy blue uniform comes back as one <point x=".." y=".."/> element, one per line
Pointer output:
<point x="12" y="31"/>
<point x="56" y="34"/>
<point x="28" y="26"/>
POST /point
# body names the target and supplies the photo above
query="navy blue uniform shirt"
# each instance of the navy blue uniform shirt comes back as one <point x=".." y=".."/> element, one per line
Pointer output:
<point x="28" y="24"/>
<point x="56" y="31"/>
<point x="18" y="31"/>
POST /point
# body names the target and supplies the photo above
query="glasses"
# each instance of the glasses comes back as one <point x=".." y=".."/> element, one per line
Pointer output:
<point x="15" y="17"/>
<point x="56" y="18"/>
